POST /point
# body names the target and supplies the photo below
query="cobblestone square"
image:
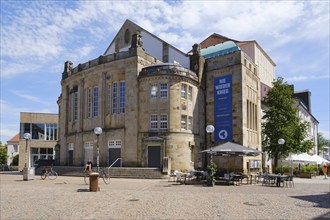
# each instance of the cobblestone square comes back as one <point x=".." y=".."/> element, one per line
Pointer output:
<point x="69" y="198"/>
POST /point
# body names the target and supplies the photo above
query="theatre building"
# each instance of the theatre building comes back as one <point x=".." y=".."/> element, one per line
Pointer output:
<point x="153" y="102"/>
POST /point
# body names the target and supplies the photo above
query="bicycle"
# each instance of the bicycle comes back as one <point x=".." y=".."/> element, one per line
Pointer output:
<point x="50" y="173"/>
<point x="102" y="174"/>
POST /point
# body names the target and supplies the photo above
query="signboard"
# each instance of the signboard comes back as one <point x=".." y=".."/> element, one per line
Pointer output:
<point x="223" y="108"/>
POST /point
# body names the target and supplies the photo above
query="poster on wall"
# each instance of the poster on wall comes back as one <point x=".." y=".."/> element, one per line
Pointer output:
<point x="223" y="108"/>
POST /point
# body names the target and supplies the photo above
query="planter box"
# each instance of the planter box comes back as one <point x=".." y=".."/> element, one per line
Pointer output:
<point x="305" y="175"/>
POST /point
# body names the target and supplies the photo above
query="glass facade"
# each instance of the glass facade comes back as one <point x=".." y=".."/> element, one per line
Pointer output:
<point x="39" y="131"/>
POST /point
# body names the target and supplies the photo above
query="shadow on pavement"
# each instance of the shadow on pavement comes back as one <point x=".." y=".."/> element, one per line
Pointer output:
<point x="321" y="200"/>
<point x="323" y="217"/>
<point x="83" y="190"/>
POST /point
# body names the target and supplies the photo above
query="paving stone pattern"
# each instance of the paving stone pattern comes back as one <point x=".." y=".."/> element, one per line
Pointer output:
<point x="69" y="198"/>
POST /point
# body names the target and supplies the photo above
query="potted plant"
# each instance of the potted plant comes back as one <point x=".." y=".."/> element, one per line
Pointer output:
<point x="211" y="170"/>
<point x="307" y="171"/>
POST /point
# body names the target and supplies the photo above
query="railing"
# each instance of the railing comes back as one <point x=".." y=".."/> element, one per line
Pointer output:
<point x="115" y="162"/>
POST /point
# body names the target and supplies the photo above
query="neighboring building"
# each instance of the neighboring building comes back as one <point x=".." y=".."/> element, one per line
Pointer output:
<point x="256" y="60"/>
<point x="12" y="148"/>
<point x="305" y="114"/>
<point x="153" y="102"/>
<point x="43" y="128"/>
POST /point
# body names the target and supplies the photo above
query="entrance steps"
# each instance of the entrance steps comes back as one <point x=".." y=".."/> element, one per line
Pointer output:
<point x="115" y="172"/>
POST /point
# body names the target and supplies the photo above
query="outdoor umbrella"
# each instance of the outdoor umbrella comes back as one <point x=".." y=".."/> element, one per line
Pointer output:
<point x="303" y="157"/>
<point x="320" y="160"/>
<point x="232" y="149"/>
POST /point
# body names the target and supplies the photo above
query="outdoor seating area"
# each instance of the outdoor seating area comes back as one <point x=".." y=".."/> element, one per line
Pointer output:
<point x="232" y="178"/>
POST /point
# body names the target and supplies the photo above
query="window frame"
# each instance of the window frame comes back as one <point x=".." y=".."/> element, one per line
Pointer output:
<point x="163" y="91"/>
<point x="153" y="121"/>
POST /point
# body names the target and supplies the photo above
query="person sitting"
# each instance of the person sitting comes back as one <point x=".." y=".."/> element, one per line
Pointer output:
<point x="89" y="166"/>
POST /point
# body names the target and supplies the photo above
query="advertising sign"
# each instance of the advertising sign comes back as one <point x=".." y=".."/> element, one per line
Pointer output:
<point x="223" y="108"/>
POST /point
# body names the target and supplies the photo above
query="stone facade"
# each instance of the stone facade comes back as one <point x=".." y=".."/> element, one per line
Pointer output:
<point x="166" y="106"/>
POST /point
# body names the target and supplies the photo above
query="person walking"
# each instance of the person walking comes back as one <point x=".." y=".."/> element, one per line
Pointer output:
<point x="325" y="169"/>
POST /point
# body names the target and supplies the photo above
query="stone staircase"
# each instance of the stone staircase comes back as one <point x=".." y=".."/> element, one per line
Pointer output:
<point x="115" y="172"/>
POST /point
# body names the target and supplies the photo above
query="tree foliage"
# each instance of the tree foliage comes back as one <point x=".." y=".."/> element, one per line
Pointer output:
<point x="281" y="120"/>
<point x="322" y="142"/>
<point x="3" y="154"/>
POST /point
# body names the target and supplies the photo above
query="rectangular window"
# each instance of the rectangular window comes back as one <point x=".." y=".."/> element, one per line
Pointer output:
<point x="114" y="144"/>
<point x="163" y="90"/>
<point x="114" y="98"/>
<point x="95" y="102"/>
<point x="39" y="131"/>
<point x="153" y="91"/>
<point x="153" y="121"/>
<point x="183" y="91"/>
<point x="51" y="132"/>
<point x="190" y="124"/>
<point x="108" y="98"/>
<point x="190" y="93"/>
<point x="122" y="97"/>
<point x="88" y="145"/>
<point x="163" y="121"/>
<point x="75" y="106"/>
<point x="89" y="102"/>
<point x="184" y="122"/>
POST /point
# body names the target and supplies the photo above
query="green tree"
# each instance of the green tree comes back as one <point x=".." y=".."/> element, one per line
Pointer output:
<point x="3" y="154"/>
<point x="281" y="120"/>
<point x="322" y="142"/>
<point x="15" y="160"/>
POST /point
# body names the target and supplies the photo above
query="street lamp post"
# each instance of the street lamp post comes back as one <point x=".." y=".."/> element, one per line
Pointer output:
<point x="26" y="170"/>
<point x="97" y="131"/>
<point x="281" y="141"/>
<point x="27" y="137"/>
<point x="210" y="130"/>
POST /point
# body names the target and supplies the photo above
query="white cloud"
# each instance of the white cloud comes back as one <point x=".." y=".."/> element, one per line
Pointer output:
<point x="307" y="77"/>
<point x="26" y="96"/>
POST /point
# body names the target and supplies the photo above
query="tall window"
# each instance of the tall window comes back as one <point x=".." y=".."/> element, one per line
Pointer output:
<point x="122" y="97"/>
<point x="153" y="91"/>
<point x="95" y="102"/>
<point x="51" y="132"/>
<point x="190" y="93"/>
<point x="114" y="97"/>
<point x="89" y="102"/>
<point x="75" y="106"/>
<point x="163" y="90"/>
<point x="109" y="99"/>
<point x="163" y="121"/>
<point x="190" y="123"/>
<point x="184" y="122"/>
<point x="153" y="121"/>
<point x="183" y="91"/>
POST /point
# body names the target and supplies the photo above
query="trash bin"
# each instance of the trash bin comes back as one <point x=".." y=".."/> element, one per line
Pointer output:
<point x="94" y="182"/>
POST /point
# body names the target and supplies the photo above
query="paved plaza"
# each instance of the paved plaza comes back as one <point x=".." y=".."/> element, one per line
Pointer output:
<point x="69" y="198"/>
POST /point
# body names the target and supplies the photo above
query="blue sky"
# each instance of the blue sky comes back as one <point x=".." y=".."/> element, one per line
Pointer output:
<point x="37" y="37"/>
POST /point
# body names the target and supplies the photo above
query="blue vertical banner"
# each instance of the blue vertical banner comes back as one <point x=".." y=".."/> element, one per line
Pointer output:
<point x="223" y="109"/>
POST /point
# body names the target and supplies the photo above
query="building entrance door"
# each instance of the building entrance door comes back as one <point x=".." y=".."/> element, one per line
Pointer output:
<point x="70" y="157"/>
<point x="114" y="154"/>
<point x="154" y="156"/>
